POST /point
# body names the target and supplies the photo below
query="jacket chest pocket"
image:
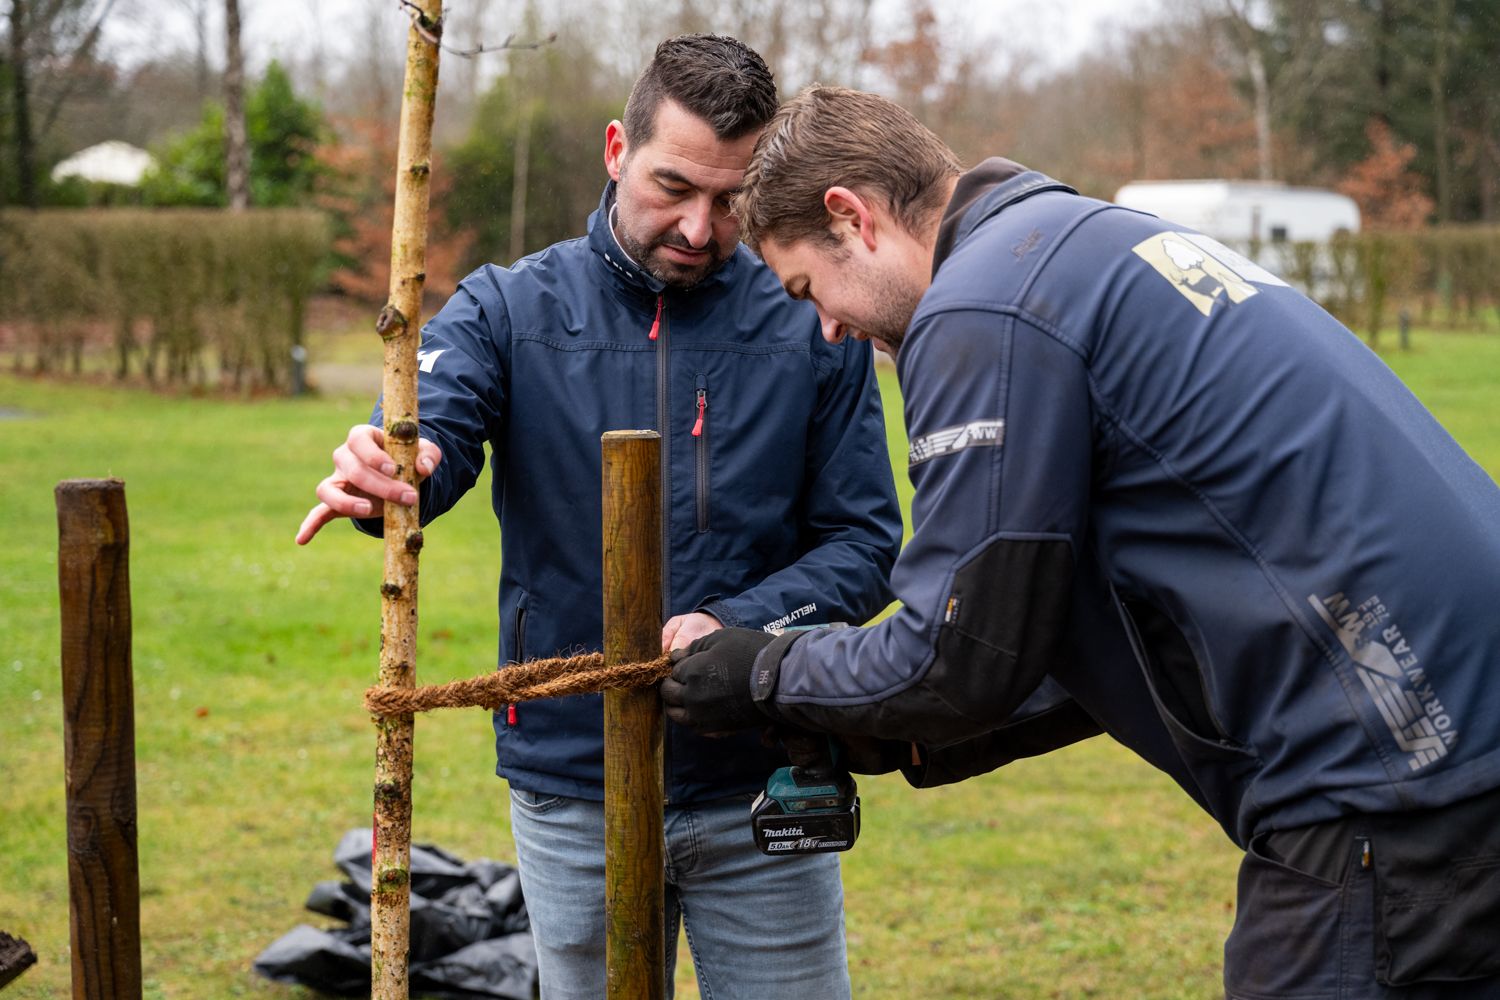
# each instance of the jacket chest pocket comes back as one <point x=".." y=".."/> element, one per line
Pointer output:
<point x="700" y="451"/>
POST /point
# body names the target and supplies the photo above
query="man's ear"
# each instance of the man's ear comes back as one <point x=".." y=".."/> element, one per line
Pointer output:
<point x="614" y="149"/>
<point x="850" y="215"/>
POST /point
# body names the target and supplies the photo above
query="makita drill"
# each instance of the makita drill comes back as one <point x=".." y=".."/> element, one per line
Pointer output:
<point x="811" y="807"/>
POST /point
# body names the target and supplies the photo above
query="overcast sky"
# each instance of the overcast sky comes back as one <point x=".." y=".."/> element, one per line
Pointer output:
<point x="1056" y="30"/>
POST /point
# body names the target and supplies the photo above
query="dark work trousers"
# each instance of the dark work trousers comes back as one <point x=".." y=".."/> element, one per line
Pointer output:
<point x="1402" y="906"/>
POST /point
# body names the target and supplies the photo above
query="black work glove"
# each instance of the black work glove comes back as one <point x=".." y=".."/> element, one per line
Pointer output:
<point x="709" y="690"/>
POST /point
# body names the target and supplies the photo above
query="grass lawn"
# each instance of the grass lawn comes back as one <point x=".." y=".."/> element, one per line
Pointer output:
<point x="1082" y="874"/>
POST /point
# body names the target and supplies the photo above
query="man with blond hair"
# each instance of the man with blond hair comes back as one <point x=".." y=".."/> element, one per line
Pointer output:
<point x="1149" y="471"/>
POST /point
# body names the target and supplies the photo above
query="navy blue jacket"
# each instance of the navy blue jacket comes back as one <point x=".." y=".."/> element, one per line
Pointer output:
<point x="777" y="496"/>
<point x="1151" y="469"/>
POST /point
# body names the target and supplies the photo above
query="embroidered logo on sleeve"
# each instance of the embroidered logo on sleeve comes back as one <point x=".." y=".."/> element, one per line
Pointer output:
<point x="1197" y="268"/>
<point x="427" y="359"/>
<point x="975" y="434"/>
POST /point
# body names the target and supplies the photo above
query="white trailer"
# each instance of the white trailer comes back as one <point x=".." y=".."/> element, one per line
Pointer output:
<point x="1259" y="220"/>
<point x="1242" y="213"/>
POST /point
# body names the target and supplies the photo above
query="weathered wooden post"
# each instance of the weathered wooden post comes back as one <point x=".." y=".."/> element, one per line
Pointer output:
<point x="635" y="947"/>
<point x="93" y="580"/>
<point x="400" y="326"/>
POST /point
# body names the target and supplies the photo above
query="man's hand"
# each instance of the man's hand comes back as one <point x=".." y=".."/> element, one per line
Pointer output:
<point x="362" y="480"/>
<point x="709" y="690"/>
<point x="682" y="631"/>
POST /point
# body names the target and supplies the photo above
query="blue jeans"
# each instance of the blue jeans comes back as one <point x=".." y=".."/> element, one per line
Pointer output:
<point x="758" y="927"/>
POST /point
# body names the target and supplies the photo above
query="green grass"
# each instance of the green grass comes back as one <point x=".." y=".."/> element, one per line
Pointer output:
<point x="1081" y="874"/>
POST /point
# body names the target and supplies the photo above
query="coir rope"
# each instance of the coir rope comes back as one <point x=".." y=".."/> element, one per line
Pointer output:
<point x="533" y="679"/>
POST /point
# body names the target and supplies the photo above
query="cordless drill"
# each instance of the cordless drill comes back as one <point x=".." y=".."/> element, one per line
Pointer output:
<point x="811" y="807"/>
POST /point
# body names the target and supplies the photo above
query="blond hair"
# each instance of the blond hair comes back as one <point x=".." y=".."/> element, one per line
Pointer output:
<point x="829" y="137"/>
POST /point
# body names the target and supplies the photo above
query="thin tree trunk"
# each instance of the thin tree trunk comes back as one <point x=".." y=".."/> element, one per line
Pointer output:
<point x="400" y="327"/>
<point x="1247" y="39"/>
<point x="1489" y="162"/>
<point x="518" y="182"/>
<point x="21" y="105"/>
<point x="1262" y="111"/>
<point x="1136" y="103"/>
<point x="1384" y="29"/>
<point x="200" y="29"/>
<point x="236" y="153"/>
<point x="1442" y="160"/>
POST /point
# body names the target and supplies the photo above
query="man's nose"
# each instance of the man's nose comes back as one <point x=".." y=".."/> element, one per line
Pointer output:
<point x="833" y="330"/>
<point x="697" y="223"/>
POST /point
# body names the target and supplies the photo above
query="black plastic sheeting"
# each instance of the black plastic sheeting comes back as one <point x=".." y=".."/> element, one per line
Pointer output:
<point x="470" y="938"/>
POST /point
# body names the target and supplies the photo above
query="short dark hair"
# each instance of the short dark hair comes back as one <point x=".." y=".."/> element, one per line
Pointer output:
<point x="717" y="78"/>
<point x="827" y="137"/>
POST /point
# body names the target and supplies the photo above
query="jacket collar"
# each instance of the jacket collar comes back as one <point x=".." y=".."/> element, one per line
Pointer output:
<point x="628" y="276"/>
<point x="982" y="193"/>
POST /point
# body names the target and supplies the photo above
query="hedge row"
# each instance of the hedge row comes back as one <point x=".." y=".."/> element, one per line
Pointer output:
<point x="188" y="295"/>
<point x="1448" y="276"/>
<point x="182" y="296"/>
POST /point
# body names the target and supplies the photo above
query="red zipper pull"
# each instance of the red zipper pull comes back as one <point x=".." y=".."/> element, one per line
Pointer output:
<point x="510" y="714"/>
<point x="702" y="405"/>
<point x="656" y="323"/>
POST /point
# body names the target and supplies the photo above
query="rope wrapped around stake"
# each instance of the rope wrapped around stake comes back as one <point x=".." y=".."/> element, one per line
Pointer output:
<point x="551" y="678"/>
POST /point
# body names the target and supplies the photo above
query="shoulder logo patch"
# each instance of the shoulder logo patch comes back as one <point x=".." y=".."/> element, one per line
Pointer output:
<point x="1194" y="267"/>
<point x="975" y="434"/>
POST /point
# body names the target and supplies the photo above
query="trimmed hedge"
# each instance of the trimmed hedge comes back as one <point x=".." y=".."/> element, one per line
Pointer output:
<point x="179" y="294"/>
<point x="1445" y="276"/>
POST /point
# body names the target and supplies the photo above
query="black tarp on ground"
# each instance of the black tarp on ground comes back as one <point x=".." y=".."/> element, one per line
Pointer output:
<point x="470" y="938"/>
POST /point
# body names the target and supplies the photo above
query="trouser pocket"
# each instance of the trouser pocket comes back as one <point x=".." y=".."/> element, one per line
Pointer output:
<point x="1287" y="936"/>
<point x="1437" y="895"/>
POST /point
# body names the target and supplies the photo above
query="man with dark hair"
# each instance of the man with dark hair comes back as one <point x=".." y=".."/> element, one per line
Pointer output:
<point x="772" y="507"/>
<point x="1151" y="474"/>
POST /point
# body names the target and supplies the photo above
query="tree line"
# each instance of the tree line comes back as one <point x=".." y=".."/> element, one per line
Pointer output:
<point x="1389" y="100"/>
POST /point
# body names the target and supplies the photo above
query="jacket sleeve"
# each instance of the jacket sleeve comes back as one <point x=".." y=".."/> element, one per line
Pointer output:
<point x="461" y="389"/>
<point x="849" y="521"/>
<point x="1048" y="720"/>
<point x="999" y="418"/>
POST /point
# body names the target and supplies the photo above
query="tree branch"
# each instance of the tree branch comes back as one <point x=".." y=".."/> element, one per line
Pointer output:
<point x="433" y="34"/>
<point x="70" y="78"/>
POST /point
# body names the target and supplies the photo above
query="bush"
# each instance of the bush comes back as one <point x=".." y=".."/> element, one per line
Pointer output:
<point x="170" y="291"/>
<point x="283" y="132"/>
<point x="1443" y="276"/>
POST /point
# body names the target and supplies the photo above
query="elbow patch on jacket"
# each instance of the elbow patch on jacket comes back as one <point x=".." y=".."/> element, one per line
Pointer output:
<point x="1002" y="626"/>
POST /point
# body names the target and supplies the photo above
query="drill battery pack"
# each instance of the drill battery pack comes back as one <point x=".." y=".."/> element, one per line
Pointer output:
<point x="806" y="811"/>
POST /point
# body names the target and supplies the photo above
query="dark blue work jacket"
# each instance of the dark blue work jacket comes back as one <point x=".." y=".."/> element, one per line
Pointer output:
<point x="1152" y="469"/>
<point x="777" y="497"/>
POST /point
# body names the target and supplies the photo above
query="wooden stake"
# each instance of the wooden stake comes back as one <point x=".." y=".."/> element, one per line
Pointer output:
<point x="635" y="947"/>
<point x="104" y="896"/>
<point x="400" y="325"/>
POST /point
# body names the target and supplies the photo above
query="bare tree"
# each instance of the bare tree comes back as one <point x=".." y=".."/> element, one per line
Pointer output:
<point x="1238" y="20"/>
<point x="236" y="146"/>
<point x="21" y="106"/>
<point x="197" y="12"/>
<point x="1441" y="13"/>
<point x="50" y="43"/>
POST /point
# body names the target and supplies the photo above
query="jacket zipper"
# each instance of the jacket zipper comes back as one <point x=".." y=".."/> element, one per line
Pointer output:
<point x="700" y="449"/>
<point x="510" y="710"/>
<point x="661" y="333"/>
